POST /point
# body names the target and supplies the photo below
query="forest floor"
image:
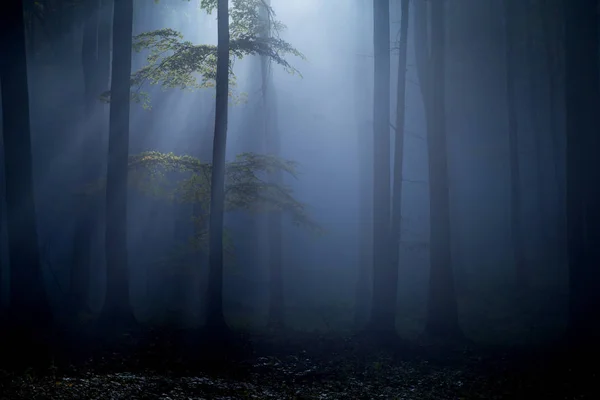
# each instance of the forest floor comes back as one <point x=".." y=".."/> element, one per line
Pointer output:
<point x="308" y="366"/>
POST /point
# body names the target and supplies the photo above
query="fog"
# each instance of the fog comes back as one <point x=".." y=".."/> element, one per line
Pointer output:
<point x="320" y="114"/>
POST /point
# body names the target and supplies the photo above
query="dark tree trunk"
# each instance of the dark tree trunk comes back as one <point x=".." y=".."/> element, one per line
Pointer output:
<point x="103" y="59"/>
<point x="30" y="36"/>
<point x="215" y="319"/>
<point x="535" y="70"/>
<point x="383" y="311"/>
<point x="89" y="54"/>
<point x="442" y="313"/>
<point x="392" y="281"/>
<point x="30" y="316"/>
<point x="516" y="229"/>
<point x="117" y="309"/>
<point x="552" y="25"/>
<point x="583" y="175"/>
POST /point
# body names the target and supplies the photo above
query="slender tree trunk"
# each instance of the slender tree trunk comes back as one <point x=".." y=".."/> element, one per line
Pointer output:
<point x="30" y="315"/>
<point x="365" y="174"/>
<point x="442" y="313"/>
<point x="510" y="13"/>
<point x="82" y="240"/>
<point x="96" y="69"/>
<point x="30" y="36"/>
<point x="274" y="217"/>
<point x="398" y="155"/>
<point x="117" y="308"/>
<point x="383" y="312"/>
<point x="582" y="83"/>
<point x="534" y="68"/>
<point x="89" y="54"/>
<point x="551" y="25"/>
<point x="215" y="318"/>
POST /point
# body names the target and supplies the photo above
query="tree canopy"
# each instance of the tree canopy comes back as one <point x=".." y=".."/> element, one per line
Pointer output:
<point x="173" y="62"/>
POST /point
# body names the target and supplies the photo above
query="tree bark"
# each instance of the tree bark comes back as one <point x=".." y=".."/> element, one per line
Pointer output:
<point x="88" y="205"/>
<point x="117" y="308"/>
<point x="534" y="68"/>
<point x="552" y="25"/>
<point x="516" y="229"/>
<point x="383" y="311"/>
<point x="442" y="313"/>
<point x="582" y="97"/>
<point x="365" y="174"/>
<point x="398" y="156"/>
<point x="274" y="217"/>
<point x="30" y="316"/>
<point x="215" y="319"/>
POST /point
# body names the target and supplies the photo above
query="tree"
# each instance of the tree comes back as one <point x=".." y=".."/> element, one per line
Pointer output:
<point x="29" y="312"/>
<point x="215" y="318"/>
<point x="365" y="174"/>
<point x="383" y="308"/>
<point x="117" y="309"/>
<point x="553" y="27"/>
<point x="512" y="35"/>
<point x="535" y="70"/>
<point x="582" y="97"/>
<point x="398" y="154"/>
<point x="96" y="69"/>
<point x="442" y="313"/>
<point x="175" y="63"/>
<point x="274" y="218"/>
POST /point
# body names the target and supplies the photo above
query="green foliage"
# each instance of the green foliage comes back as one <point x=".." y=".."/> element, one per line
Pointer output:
<point x="186" y="179"/>
<point x="246" y="186"/>
<point x="176" y="63"/>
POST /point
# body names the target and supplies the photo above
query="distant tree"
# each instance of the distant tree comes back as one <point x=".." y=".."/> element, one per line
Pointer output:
<point x="215" y="319"/>
<point x="365" y="175"/>
<point x="553" y="29"/>
<point x="511" y="10"/>
<point x="274" y="217"/>
<point x="582" y="82"/>
<point x="442" y="313"/>
<point x="95" y="54"/>
<point x="396" y="224"/>
<point x="117" y="309"/>
<point x="30" y="316"/>
<point x="383" y="307"/>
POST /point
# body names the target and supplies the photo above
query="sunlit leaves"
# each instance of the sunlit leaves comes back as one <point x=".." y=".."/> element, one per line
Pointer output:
<point x="245" y="188"/>
<point x="173" y="62"/>
<point x="186" y="179"/>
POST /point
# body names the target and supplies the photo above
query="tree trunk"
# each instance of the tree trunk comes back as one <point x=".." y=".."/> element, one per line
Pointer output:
<point x="552" y="25"/>
<point x="442" y="313"/>
<point x="583" y="175"/>
<point x="533" y="65"/>
<point x="516" y="230"/>
<point x="117" y="308"/>
<point x="274" y="217"/>
<point x="365" y="174"/>
<point x="30" y="315"/>
<point x="383" y="311"/>
<point x="82" y="240"/>
<point x="215" y="319"/>
<point x="392" y="281"/>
